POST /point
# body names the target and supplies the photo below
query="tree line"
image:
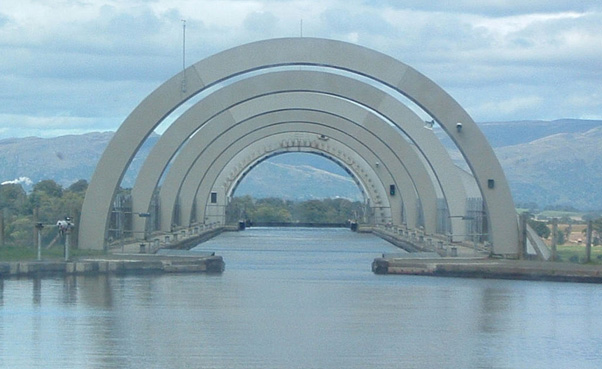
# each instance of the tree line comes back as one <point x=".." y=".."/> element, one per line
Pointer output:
<point x="275" y="210"/>
<point x="47" y="203"/>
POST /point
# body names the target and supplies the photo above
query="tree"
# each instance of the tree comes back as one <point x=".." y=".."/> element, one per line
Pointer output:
<point x="80" y="186"/>
<point x="13" y="198"/>
<point x="540" y="228"/>
<point x="560" y="237"/>
<point x="49" y="187"/>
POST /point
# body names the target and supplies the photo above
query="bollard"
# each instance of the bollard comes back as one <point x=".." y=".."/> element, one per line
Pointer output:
<point x="142" y="248"/>
<point x="454" y="251"/>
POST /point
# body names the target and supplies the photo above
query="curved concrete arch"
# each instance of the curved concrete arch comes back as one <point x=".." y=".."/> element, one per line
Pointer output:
<point x="384" y="155"/>
<point x="302" y="51"/>
<point x="286" y="143"/>
<point x="363" y="170"/>
<point x="436" y="155"/>
<point x="189" y="153"/>
<point x="233" y="173"/>
<point x="199" y="169"/>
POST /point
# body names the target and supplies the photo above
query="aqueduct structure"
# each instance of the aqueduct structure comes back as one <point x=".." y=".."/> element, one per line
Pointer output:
<point x="353" y="105"/>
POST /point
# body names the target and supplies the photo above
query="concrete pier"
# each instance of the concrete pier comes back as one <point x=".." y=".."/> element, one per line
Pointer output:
<point x="116" y="264"/>
<point x="489" y="268"/>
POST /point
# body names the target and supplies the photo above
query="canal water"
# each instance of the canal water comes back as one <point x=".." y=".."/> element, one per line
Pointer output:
<point x="298" y="298"/>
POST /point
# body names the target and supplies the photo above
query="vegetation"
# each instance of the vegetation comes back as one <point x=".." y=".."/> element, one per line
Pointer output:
<point x="46" y="204"/>
<point x="49" y="202"/>
<point x="576" y="254"/>
<point x="278" y="210"/>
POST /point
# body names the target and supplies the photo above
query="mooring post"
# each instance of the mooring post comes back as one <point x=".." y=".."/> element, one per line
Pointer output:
<point x="588" y="244"/>
<point x="554" y="238"/>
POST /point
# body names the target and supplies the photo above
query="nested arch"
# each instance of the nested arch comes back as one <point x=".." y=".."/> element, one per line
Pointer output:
<point x="233" y="174"/>
<point x="203" y="169"/>
<point x="206" y="144"/>
<point x="290" y="142"/>
<point x="324" y="87"/>
<point x="301" y="51"/>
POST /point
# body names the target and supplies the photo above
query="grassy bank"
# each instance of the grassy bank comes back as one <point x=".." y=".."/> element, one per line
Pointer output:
<point x="576" y="253"/>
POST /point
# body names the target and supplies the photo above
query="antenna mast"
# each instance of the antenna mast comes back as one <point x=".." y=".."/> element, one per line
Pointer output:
<point x="184" y="56"/>
<point x="183" y="44"/>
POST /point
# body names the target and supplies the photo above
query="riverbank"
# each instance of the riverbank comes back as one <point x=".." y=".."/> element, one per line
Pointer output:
<point x="489" y="268"/>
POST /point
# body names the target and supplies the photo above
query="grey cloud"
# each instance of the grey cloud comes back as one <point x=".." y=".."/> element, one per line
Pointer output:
<point x="490" y="8"/>
<point x="3" y="20"/>
<point x="261" y="22"/>
<point x="342" y="20"/>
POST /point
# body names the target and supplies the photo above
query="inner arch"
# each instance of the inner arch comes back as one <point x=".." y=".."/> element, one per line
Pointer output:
<point x="352" y="190"/>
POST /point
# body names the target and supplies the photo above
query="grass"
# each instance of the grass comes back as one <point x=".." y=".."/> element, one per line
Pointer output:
<point x="576" y="253"/>
<point x="23" y="253"/>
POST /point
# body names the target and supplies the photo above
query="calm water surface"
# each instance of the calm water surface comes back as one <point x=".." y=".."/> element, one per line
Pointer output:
<point x="298" y="298"/>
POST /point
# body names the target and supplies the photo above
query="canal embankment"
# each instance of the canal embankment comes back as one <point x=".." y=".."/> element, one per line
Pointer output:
<point x="489" y="268"/>
<point x="116" y="264"/>
<point x="131" y="258"/>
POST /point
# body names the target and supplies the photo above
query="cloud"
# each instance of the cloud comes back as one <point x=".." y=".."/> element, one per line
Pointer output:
<point x="81" y="66"/>
<point x="261" y="22"/>
<point x="21" y="180"/>
<point x="489" y="8"/>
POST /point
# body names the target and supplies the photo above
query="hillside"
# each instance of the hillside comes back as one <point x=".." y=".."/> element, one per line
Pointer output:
<point x="547" y="163"/>
<point x="560" y="169"/>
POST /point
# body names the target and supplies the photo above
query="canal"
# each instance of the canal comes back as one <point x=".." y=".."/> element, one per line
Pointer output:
<point x="297" y="298"/>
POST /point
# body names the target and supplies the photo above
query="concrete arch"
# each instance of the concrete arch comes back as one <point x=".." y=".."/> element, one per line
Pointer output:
<point x="380" y="154"/>
<point x="232" y="175"/>
<point x="331" y="84"/>
<point x="283" y="142"/>
<point x="188" y="174"/>
<point x="503" y="230"/>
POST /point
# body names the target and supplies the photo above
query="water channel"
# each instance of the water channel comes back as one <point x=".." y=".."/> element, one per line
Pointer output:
<point x="297" y="298"/>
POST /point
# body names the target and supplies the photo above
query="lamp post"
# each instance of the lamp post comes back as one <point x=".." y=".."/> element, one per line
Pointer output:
<point x="39" y="227"/>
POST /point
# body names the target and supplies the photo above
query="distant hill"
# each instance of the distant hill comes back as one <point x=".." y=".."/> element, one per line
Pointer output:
<point x="560" y="169"/>
<point x="521" y="132"/>
<point x="546" y="162"/>
<point x="65" y="159"/>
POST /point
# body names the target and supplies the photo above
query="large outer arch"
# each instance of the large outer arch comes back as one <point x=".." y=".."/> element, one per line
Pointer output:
<point x="447" y="112"/>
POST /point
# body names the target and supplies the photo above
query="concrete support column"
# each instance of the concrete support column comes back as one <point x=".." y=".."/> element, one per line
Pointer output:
<point x="588" y="243"/>
<point x="554" y="238"/>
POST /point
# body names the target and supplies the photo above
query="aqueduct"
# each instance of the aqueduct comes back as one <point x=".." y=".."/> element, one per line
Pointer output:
<point x="336" y="99"/>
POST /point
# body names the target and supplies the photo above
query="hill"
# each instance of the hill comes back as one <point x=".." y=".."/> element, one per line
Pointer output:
<point x="546" y="162"/>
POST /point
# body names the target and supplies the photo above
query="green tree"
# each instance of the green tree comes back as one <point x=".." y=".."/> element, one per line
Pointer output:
<point x="540" y="228"/>
<point x="80" y="186"/>
<point x="13" y="197"/>
<point x="560" y="237"/>
<point x="20" y="231"/>
<point x="49" y="187"/>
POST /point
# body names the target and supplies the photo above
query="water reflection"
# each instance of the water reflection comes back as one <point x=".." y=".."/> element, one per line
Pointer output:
<point x="297" y="300"/>
<point x="37" y="291"/>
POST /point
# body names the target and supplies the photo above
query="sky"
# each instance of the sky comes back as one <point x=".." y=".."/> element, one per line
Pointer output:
<point x="77" y="66"/>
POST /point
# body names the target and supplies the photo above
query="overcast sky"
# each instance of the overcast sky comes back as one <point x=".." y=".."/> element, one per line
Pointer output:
<point x="75" y="66"/>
